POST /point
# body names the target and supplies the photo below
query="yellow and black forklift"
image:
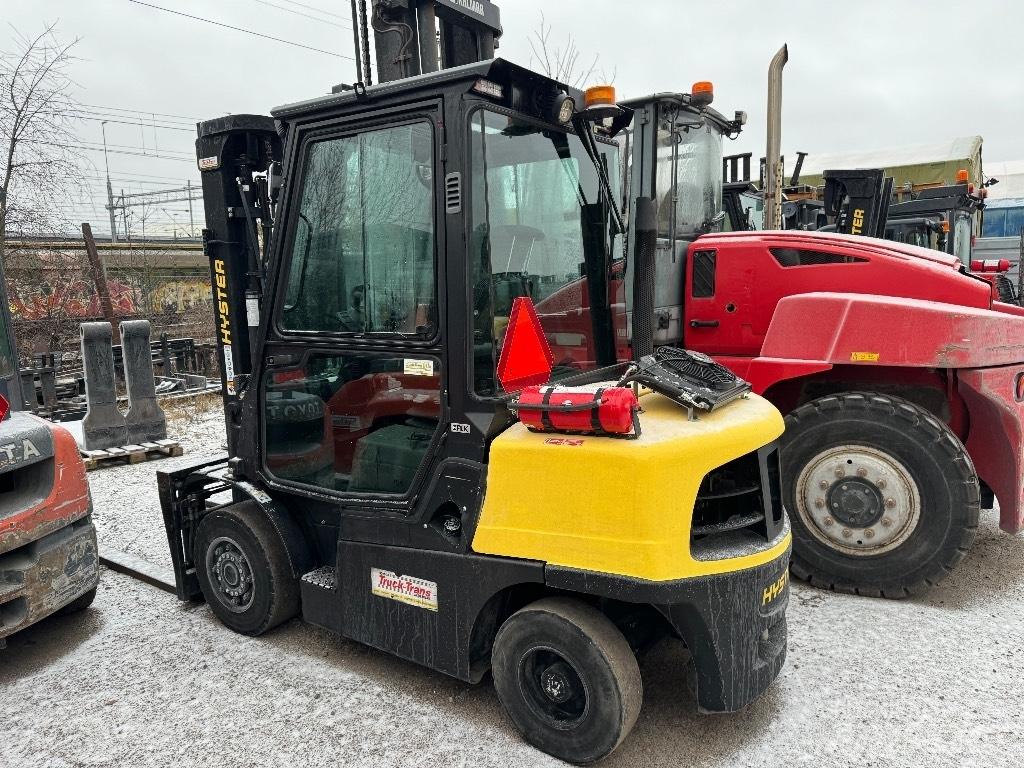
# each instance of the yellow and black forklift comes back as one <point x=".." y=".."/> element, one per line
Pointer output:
<point x="392" y="264"/>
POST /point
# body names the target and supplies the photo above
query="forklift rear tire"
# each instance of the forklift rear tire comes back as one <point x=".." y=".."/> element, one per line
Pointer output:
<point x="568" y="679"/>
<point x="79" y="603"/>
<point x="244" y="570"/>
<point x="883" y="498"/>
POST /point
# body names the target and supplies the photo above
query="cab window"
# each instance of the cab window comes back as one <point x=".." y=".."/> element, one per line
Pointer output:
<point x="530" y="189"/>
<point x="362" y="256"/>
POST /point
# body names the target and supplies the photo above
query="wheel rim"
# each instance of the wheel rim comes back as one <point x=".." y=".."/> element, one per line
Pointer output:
<point x="553" y="688"/>
<point x="858" y="500"/>
<point x="230" y="574"/>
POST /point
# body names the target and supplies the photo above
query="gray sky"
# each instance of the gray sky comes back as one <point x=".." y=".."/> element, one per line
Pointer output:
<point x="861" y="75"/>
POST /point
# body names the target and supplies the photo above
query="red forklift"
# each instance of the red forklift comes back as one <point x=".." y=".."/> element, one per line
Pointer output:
<point x="49" y="560"/>
<point x="900" y="372"/>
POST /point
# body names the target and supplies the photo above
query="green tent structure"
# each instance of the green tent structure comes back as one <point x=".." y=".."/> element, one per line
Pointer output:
<point x="920" y="164"/>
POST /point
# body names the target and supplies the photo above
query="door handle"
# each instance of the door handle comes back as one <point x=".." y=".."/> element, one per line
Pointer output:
<point x="703" y="323"/>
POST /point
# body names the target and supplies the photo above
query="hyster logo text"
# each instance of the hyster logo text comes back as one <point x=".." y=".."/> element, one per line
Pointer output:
<point x="772" y="591"/>
<point x="858" y="221"/>
<point x="223" y="308"/>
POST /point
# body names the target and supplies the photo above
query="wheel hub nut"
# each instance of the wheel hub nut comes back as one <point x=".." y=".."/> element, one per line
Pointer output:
<point x="869" y="533"/>
<point x="829" y="521"/>
<point x="890" y="503"/>
<point x="886" y="522"/>
<point x="819" y="503"/>
<point x="847" y="533"/>
<point x="862" y="472"/>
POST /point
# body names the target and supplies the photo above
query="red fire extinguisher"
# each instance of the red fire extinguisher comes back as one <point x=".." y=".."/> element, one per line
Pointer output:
<point x="610" y="410"/>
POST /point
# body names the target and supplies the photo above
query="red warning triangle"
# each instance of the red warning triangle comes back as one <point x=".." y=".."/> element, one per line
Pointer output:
<point x="4" y="407"/>
<point x="526" y="358"/>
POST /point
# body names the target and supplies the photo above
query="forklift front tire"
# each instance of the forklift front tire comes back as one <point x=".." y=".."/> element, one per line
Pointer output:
<point x="243" y="570"/>
<point x="568" y="679"/>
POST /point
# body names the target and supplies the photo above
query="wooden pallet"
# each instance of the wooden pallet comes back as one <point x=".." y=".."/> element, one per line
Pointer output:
<point x="131" y="454"/>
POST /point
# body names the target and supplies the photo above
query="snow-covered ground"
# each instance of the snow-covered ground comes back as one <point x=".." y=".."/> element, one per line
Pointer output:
<point x="143" y="680"/>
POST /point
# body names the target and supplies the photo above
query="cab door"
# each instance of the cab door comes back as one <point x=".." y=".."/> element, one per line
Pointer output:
<point x="718" y="306"/>
<point x="354" y="370"/>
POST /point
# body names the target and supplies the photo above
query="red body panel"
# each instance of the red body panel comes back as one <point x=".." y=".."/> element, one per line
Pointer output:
<point x="750" y="282"/>
<point x="884" y="330"/>
<point x="996" y="441"/>
<point x="882" y="308"/>
<point x="66" y="502"/>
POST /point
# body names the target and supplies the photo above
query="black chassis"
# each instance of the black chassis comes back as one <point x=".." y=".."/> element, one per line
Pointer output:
<point x="335" y="539"/>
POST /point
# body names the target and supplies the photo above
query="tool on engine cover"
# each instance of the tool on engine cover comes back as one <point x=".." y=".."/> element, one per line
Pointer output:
<point x="691" y="379"/>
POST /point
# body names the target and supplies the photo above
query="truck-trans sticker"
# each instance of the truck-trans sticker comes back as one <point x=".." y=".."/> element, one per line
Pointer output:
<point x="405" y="589"/>
<point x="12" y="453"/>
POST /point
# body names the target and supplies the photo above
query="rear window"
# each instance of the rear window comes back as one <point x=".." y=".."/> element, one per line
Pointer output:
<point x="799" y="257"/>
<point x="704" y="263"/>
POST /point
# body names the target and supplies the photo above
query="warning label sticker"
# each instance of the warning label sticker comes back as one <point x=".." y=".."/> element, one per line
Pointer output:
<point x="419" y="367"/>
<point x="405" y="589"/>
<point x="865" y="357"/>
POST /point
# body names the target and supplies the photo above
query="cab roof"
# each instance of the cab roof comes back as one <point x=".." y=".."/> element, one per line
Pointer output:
<point x="499" y="70"/>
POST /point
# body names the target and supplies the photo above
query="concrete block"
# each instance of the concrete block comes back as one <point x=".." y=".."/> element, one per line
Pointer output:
<point x="146" y="420"/>
<point x="103" y="426"/>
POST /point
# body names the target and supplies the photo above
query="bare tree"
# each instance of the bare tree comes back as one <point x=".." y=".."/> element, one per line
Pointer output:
<point x="564" y="61"/>
<point x="39" y="169"/>
<point x="39" y="164"/>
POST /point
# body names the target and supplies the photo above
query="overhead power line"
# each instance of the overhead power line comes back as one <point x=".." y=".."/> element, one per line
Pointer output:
<point x="314" y="8"/>
<point x="240" y="29"/>
<point x="114" y="151"/>
<point x="300" y="13"/>
<point x="140" y="112"/>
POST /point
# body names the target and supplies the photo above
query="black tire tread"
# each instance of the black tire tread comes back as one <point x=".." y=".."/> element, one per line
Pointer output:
<point x="598" y="630"/>
<point x="940" y="437"/>
<point x="620" y="656"/>
<point x="80" y="603"/>
<point x="284" y="587"/>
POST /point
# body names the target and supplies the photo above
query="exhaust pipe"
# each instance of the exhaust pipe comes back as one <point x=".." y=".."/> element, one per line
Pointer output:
<point x="773" y="157"/>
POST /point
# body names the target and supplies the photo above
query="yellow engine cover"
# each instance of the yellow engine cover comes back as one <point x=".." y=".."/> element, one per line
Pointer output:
<point x="619" y="506"/>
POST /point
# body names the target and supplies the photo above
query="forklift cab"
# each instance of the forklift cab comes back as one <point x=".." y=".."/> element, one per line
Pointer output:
<point x="673" y="156"/>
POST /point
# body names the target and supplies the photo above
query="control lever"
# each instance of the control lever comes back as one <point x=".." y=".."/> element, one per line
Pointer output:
<point x="703" y="323"/>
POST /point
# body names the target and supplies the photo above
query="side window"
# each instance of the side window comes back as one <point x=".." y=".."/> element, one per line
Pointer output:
<point x="362" y="260"/>
<point x="352" y="423"/>
<point x="704" y="266"/>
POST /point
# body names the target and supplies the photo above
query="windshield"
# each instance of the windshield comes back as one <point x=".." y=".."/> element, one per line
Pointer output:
<point x="695" y="153"/>
<point x="540" y="229"/>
